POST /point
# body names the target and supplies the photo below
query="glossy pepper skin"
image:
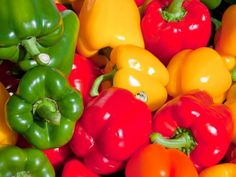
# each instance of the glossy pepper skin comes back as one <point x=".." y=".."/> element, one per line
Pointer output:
<point x="195" y="125"/>
<point x="225" y="42"/>
<point x="7" y="135"/>
<point x="24" y="162"/>
<point x="155" y="160"/>
<point x="118" y="23"/>
<point x="169" y="28"/>
<point x="106" y="147"/>
<point x="139" y="71"/>
<point x="201" y="69"/>
<point x="75" y="168"/>
<point x="82" y="76"/>
<point x="220" y="170"/>
<point x="45" y="108"/>
<point x="62" y="52"/>
<point x="27" y="24"/>
<point x="231" y="103"/>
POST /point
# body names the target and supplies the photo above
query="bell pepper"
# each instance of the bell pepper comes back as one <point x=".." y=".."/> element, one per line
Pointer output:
<point x="75" y="168"/>
<point x="82" y="76"/>
<point x="106" y="147"/>
<point x="45" y="108"/>
<point x="211" y="4"/>
<point x="171" y="27"/>
<point x="27" y="24"/>
<point x="118" y="23"/>
<point x="225" y="42"/>
<point x="58" y="156"/>
<point x="139" y="71"/>
<point x="231" y="103"/>
<point x="220" y="170"/>
<point x="24" y="162"/>
<point x="62" y="52"/>
<point x="195" y="125"/>
<point x="10" y="75"/>
<point x="201" y="69"/>
<point x="7" y="135"/>
<point x="155" y="160"/>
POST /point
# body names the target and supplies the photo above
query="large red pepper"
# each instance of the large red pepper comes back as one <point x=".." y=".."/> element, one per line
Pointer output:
<point x="82" y="76"/>
<point x="195" y="125"/>
<point x="114" y="125"/>
<point x="170" y="27"/>
<point x="75" y="168"/>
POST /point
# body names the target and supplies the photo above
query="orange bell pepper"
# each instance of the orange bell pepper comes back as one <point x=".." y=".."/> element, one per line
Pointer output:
<point x="200" y="69"/>
<point x="156" y="161"/>
<point x="7" y="135"/>
<point x="220" y="170"/>
<point x="231" y="103"/>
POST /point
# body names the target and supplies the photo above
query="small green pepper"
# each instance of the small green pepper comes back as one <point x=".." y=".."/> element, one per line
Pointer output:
<point x="211" y="4"/>
<point x="45" y="108"/>
<point x="29" y="162"/>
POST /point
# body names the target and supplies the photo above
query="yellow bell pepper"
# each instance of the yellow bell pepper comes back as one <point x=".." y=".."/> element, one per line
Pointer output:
<point x="200" y="69"/>
<point x="225" y="42"/>
<point x="220" y="170"/>
<point x="108" y="23"/>
<point x="139" y="71"/>
<point x="7" y="135"/>
<point x="231" y="103"/>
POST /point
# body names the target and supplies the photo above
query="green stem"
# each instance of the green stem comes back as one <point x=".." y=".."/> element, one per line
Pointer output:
<point x="233" y="75"/>
<point x="217" y="23"/>
<point x="31" y="47"/>
<point x="47" y="110"/>
<point x="175" y="11"/>
<point x="94" y="91"/>
<point x="183" y="141"/>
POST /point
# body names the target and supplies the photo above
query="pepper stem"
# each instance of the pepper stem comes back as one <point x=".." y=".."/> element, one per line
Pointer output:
<point x="233" y="75"/>
<point x="31" y="47"/>
<point x="99" y="80"/>
<point x="182" y="141"/>
<point x="47" y="109"/>
<point x="175" y="11"/>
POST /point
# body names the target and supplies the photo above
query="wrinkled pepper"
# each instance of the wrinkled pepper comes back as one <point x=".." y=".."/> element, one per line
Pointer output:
<point x="45" y="108"/>
<point x="75" y="168"/>
<point x="7" y="135"/>
<point x="118" y="23"/>
<point x="82" y="76"/>
<point x="139" y="71"/>
<point x="195" y="125"/>
<point x="62" y="52"/>
<point x="220" y="170"/>
<point x="201" y="69"/>
<point x="156" y="161"/>
<point x="106" y="147"/>
<point x="27" y="24"/>
<point x="171" y="26"/>
<point x="24" y="162"/>
<point x="231" y="103"/>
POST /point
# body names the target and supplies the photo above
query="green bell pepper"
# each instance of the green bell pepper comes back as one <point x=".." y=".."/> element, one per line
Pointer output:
<point x="27" y="162"/>
<point x="211" y="4"/>
<point x="45" y="108"/>
<point x="25" y="24"/>
<point x="62" y="53"/>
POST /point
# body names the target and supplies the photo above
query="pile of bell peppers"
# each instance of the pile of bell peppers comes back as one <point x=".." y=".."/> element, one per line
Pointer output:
<point x="121" y="88"/>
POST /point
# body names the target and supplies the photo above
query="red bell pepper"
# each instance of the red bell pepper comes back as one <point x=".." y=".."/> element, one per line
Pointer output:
<point x="82" y="76"/>
<point x="195" y="125"/>
<point x="58" y="156"/>
<point x="170" y="27"/>
<point x="10" y="75"/>
<point x="114" y="125"/>
<point x="75" y="168"/>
